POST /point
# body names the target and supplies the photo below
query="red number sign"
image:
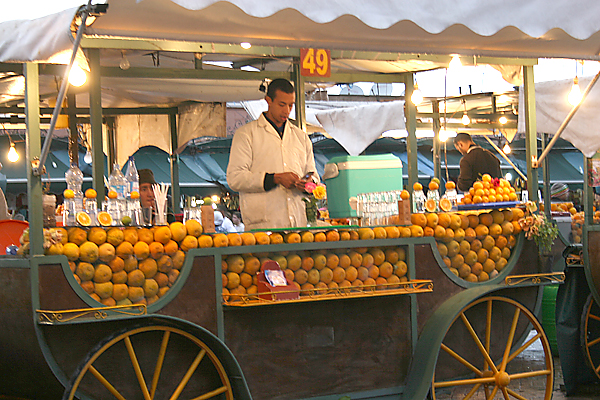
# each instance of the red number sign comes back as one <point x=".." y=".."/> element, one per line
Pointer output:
<point x="315" y="62"/>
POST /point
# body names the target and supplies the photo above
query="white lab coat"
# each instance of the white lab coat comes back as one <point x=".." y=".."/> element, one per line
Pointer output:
<point x="256" y="150"/>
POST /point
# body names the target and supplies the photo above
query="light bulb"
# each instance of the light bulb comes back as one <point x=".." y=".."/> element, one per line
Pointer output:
<point x="54" y="165"/>
<point x="503" y="120"/>
<point x="13" y="156"/>
<point x="214" y="198"/>
<point x="465" y="119"/>
<point x="88" y="157"/>
<point x="508" y="176"/>
<point x="77" y="76"/>
<point x="506" y="149"/>
<point x="245" y="45"/>
<point x="417" y="96"/>
<point x="124" y="64"/>
<point x="455" y="63"/>
<point x="575" y="93"/>
<point x="443" y="135"/>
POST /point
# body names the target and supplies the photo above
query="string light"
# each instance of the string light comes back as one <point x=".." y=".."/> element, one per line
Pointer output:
<point x="443" y="135"/>
<point x="455" y="63"/>
<point x="77" y="76"/>
<point x="416" y="97"/>
<point x="465" y="118"/>
<point x="245" y="45"/>
<point x="124" y="64"/>
<point x="503" y="120"/>
<point x="575" y="93"/>
<point x="13" y="156"/>
<point x="508" y="176"/>
<point x="506" y="149"/>
<point x="87" y="158"/>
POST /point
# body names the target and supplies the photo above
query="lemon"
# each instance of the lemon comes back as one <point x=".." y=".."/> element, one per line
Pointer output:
<point x="207" y="201"/>
<point x="69" y="194"/>
<point x="126" y="220"/>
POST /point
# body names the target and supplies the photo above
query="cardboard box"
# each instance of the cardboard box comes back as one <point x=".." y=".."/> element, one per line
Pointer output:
<point x="404" y="212"/>
<point x="348" y="176"/>
<point x="208" y="219"/>
<point x="267" y="291"/>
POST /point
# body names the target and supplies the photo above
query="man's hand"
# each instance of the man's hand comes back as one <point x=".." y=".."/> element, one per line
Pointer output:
<point x="289" y="180"/>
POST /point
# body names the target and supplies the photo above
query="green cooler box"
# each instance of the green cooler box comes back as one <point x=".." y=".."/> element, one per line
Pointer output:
<point x="347" y="176"/>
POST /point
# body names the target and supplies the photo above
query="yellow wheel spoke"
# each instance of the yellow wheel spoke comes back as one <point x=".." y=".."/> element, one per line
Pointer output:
<point x="524" y="346"/>
<point x="504" y="393"/>
<point x="188" y="375"/>
<point x="515" y="394"/>
<point x="159" y="363"/>
<point x="472" y="391"/>
<point x="594" y="317"/>
<point x="212" y="394"/>
<point x="488" y="331"/>
<point x="105" y="383"/>
<point x="137" y="369"/>
<point x="511" y="336"/>
<point x="485" y="354"/>
<point x="530" y="374"/>
<point x="594" y="342"/>
<point x="463" y="382"/>
<point x="597" y="369"/>
<point x="461" y="360"/>
<point x="494" y="391"/>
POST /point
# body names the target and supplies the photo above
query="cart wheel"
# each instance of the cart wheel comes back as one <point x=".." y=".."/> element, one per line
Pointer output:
<point x="150" y="362"/>
<point x="477" y="357"/>
<point x="590" y="333"/>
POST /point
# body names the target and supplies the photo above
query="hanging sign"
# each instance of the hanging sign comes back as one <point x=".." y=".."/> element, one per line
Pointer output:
<point x="315" y="62"/>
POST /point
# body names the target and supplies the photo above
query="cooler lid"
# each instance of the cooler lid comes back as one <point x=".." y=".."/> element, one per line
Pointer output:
<point x="378" y="161"/>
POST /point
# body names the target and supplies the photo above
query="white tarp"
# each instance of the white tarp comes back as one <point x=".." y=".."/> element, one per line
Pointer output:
<point x="355" y="128"/>
<point x="533" y="28"/>
<point x="552" y="107"/>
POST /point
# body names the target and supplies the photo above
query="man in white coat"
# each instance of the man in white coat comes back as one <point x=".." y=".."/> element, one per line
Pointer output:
<point x="270" y="162"/>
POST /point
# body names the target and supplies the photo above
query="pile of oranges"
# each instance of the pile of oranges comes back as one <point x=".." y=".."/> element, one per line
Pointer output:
<point x="490" y="190"/>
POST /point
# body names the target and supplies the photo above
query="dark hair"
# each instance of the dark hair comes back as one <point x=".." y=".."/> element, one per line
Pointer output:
<point x="237" y="214"/>
<point x="463" y="137"/>
<point x="279" y="84"/>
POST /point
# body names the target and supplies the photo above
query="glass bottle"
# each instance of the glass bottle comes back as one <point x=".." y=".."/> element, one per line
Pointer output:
<point x="418" y="201"/>
<point x="434" y="195"/>
<point x="118" y="185"/>
<point x="134" y="209"/>
<point x="74" y="179"/>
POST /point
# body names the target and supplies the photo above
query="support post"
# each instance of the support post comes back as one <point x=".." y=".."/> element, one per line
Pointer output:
<point x="437" y="144"/>
<point x="175" y="192"/>
<point x="531" y="148"/>
<point x="96" y="124"/>
<point x="300" y="101"/>
<point x="34" y="150"/>
<point x="546" y="175"/>
<point x="410" y="113"/>
<point x="73" y="134"/>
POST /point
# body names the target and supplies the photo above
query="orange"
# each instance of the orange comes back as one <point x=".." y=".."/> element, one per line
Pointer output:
<point x="416" y="231"/>
<point x="134" y="195"/>
<point x="104" y="218"/>
<point x="68" y="194"/>
<point x="275" y="238"/>
<point x="417" y="186"/>
<point x="379" y="232"/>
<point x="445" y="204"/>
<point x="248" y="239"/>
<point x="83" y="218"/>
<point x="292" y="237"/>
<point x="433" y="185"/>
<point x="450" y="185"/>
<point x="220" y="240"/>
<point x="112" y="194"/>
<point x="430" y="205"/>
<point x="91" y="193"/>
<point x="478" y="185"/>
<point x="141" y="250"/>
<point x="188" y="242"/>
<point x="444" y="220"/>
<point x="157" y="249"/>
<point x="392" y="232"/>
<point x="261" y="238"/>
<point x="486" y="219"/>
<point x="404" y="195"/>
<point x="162" y="234"/>
<point x="339" y="274"/>
<point x="432" y="220"/>
<point x="320" y="237"/>
<point x="332" y="236"/>
<point x="178" y="231"/>
<point x="419" y="219"/>
<point x="234" y="239"/>
<point x="145" y="235"/>
<point x="428" y="231"/>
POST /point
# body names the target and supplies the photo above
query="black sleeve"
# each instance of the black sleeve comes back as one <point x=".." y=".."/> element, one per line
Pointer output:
<point x="269" y="182"/>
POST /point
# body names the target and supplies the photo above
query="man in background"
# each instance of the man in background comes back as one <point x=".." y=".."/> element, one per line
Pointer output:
<point x="475" y="162"/>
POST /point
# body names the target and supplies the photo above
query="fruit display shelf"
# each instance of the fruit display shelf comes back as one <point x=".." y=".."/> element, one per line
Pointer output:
<point x="488" y="206"/>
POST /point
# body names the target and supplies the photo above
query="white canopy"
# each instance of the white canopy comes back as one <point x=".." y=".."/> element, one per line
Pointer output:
<point x="511" y="28"/>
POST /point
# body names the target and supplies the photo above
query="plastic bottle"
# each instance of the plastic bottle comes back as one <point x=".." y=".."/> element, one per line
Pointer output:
<point x="134" y="209"/>
<point x="74" y="179"/>
<point x="418" y="201"/>
<point x="118" y="184"/>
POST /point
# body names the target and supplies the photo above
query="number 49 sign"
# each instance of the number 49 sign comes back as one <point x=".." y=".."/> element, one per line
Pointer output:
<point x="315" y="62"/>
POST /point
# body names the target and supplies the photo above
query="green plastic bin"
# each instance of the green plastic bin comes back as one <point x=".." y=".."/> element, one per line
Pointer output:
<point x="548" y="315"/>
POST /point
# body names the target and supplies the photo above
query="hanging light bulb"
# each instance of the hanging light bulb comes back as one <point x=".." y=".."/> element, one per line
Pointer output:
<point x="465" y="119"/>
<point x="575" y="93"/>
<point x="124" y="64"/>
<point x="245" y="45"/>
<point x="508" y="176"/>
<point x="506" y="149"/>
<point x="416" y="97"/>
<point x="443" y="135"/>
<point x="214" y="198"/>
<point x="88" y="157"/>
<point x="77" y="76"/>
<point x="455" y="63"/>
<point x="13" y="156"/>
<point x="503" y="120"/>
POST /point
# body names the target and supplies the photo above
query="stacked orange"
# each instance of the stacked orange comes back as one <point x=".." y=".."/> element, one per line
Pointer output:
<point x="488" y="190"/>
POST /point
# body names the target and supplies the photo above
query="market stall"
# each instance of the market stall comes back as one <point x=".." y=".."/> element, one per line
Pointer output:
<point x="409" y="323"/>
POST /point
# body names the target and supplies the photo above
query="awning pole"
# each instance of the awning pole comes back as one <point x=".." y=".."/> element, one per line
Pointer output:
<point x="561" y="128"/>
<point x="505" y="157"/>
<point x="38" y="169"/>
